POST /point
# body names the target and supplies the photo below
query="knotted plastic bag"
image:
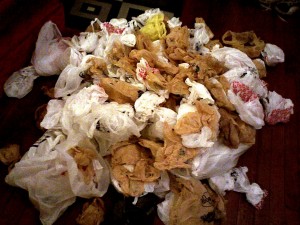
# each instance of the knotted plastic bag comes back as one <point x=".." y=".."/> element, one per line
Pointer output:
<point x="47" y="58"/>
<point x="155" y="27"/>
<point x="247" y="42"/>
<point x="216" y="159"/>
<point x="42" y="171"/>
<point x="20" y="83"/>
<point x="277" y="108"/>
<point x="272" y="54"/>
<point x="237" y="180"/>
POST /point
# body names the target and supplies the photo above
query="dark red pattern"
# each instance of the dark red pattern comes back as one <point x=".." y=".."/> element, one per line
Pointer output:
<point x="111" y="29"/>
<point x="279" y="115"/>
<point x="243" y="91"/>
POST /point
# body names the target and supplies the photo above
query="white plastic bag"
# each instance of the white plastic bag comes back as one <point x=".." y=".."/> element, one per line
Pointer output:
<point x="146" y="104"/>
<point x="20" y="83"/>
<point x="251" y="112"/>
<point x="272" y="54"/>
<point x="156" y="128"/>
<point x="232" y="58"/>
<point x="52" y="117"/>
<point x="80" y="104"/>
<point x="68" y="81"/>
<point x="163" y="208"/>
<point x="248" y="77"/>
<point x="237" y="180"/>
<point x="88" y="173"/>
<point x="49" y="50"/>
<point x="109" y="123"/>
<point x="42" y="172"/>
<point x="277" y="108"/>
<point x="216" y="160"/>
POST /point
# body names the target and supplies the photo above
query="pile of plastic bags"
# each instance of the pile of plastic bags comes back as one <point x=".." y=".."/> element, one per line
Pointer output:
<point x="149" y="106"/>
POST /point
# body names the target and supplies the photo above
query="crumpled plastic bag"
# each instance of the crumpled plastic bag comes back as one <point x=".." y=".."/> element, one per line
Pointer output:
<point x="237" y="180"/>
<point x="200" y="36"/>
<point x="163" y="208"/>
<point x="174" y="22"/>
<point x="88" y="173"/>
<point x="48" y="57"/>
<point x="216" y="159"/>
<point x="20" y="83"/>
<point x="272" y="54"/>
<point x="109" y="123"/>
<point x="249" y="78"/>
<point x="42" y="172"/>
<point x="197" y="91"/>
<point x="277" y="108"/>
<point x="146" y="104"/>
<point x="52" y="176"/>
<point x="92" y="213"/>
<point x="198" y="124"/>
<point x="52" y="117"/>
<point x="68" y="81"/>
<point x="155" y="27"/>
<point x="232" y="57"/>
<point x="156" y="128"/>
<point x="9" y="155"/>
<point x="247" y="42"/>
<point x="86" y="41"/>
<point x="80" y="104"/>
<point x="249" y="108"/>
<point x="191" y="202"/>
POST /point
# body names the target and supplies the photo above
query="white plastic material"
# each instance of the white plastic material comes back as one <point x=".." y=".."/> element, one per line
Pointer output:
<point x="41" y="172"/>
<point x="250" y="112"/>
<point x="80" y="104"/>
<point x="163" y="208"/>
<point x="174" y="22"/>
<point x="249" y="78"/>
<point x="52" y="117"/>
<point x="50" y="47"/>
<point x="232" y="58"/>
<point x="216" y="159"/>
<point x="197" y="91"/>
<point x="99" y="180"/>
<point x="156" y="128"/>
<point x="128" y="40"/>
<point x="197" y="140"/>
<point x="275" y="102"/>
<point x="109" y="123"/>
<point x="86" y="41"/>
<point x="200" y="36"/>
<point x="272" y="54"/>
<point x="237" y="180"/>
<point x="68" y="81"/>
<point x="20" y="83"/>
<point x="51" y="175"/>
<point x="146" y="104"/>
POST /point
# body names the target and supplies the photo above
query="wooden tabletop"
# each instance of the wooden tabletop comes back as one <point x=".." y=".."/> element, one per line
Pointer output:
<point x="273" y="161"/>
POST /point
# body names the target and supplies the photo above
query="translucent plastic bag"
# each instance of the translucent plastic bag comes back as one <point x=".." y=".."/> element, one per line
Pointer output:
<point x="88" y="173"/>
<point x="237" y="180"/>
<point x="42" y="172"/>
<point x="50" y="47"/>
<point x="232" y="58"/>
<point x="272" y="54"/>
<point x="68" y="81"/>
<point x="20" y="83"/>
<point x="216" y="160"/>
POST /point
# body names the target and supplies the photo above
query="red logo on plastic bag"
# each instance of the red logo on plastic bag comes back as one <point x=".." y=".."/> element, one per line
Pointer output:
<point x="142" y="73"/>
<point x="243" y="91"/>
<point x="279" y="115"/>
<point x="111" y="29"/>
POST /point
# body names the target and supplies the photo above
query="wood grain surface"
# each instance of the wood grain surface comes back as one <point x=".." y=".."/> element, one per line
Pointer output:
<point x="273" y="162"/>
